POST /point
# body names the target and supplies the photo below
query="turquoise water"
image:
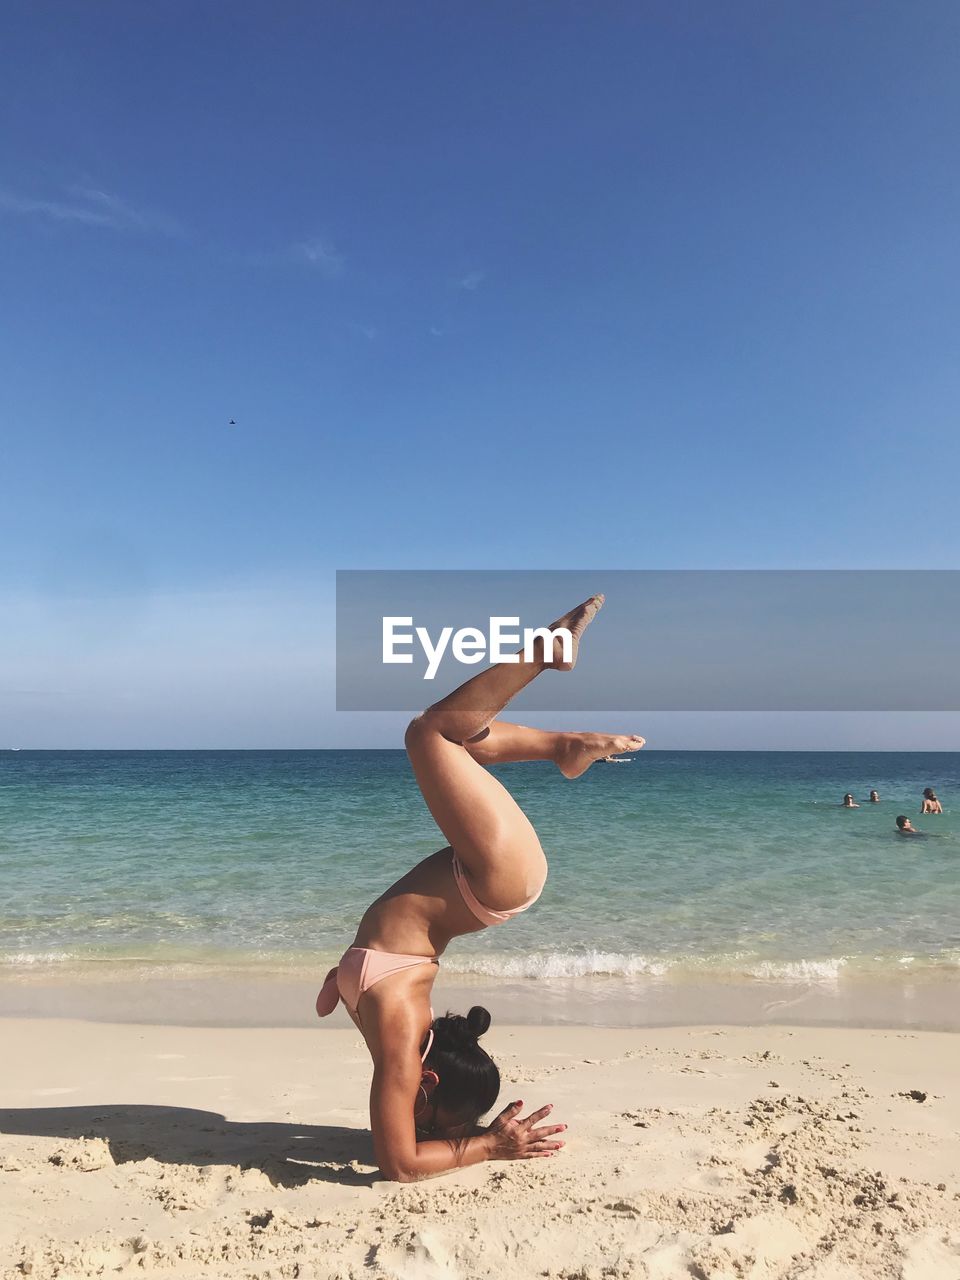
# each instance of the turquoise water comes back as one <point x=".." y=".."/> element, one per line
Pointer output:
<point x="711" y="863"/>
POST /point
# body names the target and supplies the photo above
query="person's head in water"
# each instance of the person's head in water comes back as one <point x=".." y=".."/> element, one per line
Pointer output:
<point x="874" y="797"/>
<point x="905" y="825"/>
<point x="849" y="802"/>
<point x="929" y="793"/>
<point x="460" y="1081"/>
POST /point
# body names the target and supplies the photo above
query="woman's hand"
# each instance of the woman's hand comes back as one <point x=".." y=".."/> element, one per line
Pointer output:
<point x="510" y="1138"/>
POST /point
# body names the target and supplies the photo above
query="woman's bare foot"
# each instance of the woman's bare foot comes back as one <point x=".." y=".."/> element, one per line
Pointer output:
<point x="576" y="752"/>
<point x="576" y="622"/>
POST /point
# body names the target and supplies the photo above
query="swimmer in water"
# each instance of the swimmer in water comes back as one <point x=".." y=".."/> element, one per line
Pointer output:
<point x="906" y="828"/>
<point x="874" y="797"/>
<point x="849" y="802"/>
<point x="930" y="802"/>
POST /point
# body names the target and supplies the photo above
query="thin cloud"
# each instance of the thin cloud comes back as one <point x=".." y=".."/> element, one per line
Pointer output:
<point x="367" y="331"/>
<point x="323" y="257"/>
<point x="90" y="207"/>
<point x="472" y="280"/>
<point x="125" y="216"/>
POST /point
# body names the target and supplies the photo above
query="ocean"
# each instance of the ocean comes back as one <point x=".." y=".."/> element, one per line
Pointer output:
<point x="706" y="864"/>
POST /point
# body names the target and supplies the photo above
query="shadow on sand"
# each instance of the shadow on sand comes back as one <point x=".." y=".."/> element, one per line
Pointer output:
<point x="291" y="1155"/>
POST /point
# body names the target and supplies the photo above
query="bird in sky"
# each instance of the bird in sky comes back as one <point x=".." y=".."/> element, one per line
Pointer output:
<point x="232" y="422"/>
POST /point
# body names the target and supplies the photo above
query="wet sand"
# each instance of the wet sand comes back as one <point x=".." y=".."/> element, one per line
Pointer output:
<point x="202" y="996"/>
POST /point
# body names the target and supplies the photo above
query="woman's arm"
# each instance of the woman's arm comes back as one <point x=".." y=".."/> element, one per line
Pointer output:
<point x="403" y="1159"/>
<point x="400" y="1156"/>
<point x="393" y="1031"/>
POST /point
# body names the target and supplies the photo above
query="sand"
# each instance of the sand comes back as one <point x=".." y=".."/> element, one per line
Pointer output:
<point x="712" y="1153"/>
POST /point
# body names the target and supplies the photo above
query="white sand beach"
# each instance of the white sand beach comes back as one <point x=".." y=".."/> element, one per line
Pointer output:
<point x="719" y="1153"/>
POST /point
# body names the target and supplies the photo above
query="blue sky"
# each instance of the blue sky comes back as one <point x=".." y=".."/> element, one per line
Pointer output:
<point x="554" y="285"/>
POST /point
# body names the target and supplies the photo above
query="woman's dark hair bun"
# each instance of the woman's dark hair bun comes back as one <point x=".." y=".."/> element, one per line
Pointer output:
<point x="458" y="1032"/>
<point x="478" y="1020"/>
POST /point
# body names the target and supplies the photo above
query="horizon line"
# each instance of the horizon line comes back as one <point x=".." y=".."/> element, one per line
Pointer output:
<point x="795" y="751"/>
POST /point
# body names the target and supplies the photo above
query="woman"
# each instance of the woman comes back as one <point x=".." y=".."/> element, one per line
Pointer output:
<point x="431" y="1080"/>
<point x="930" y="802"/>
<point x="848" y="802"/>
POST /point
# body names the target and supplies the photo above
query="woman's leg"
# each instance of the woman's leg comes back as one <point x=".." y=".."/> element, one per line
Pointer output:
<point x="486" y="827"/>
<point x="572" y="753"/>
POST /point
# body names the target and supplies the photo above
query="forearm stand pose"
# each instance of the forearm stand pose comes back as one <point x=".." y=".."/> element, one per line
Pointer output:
<point x="431" y="1080"/>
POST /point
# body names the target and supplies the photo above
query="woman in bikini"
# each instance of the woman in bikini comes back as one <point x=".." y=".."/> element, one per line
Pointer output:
<point x="431" y="1079"/>
<point x="930" y="802"/>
